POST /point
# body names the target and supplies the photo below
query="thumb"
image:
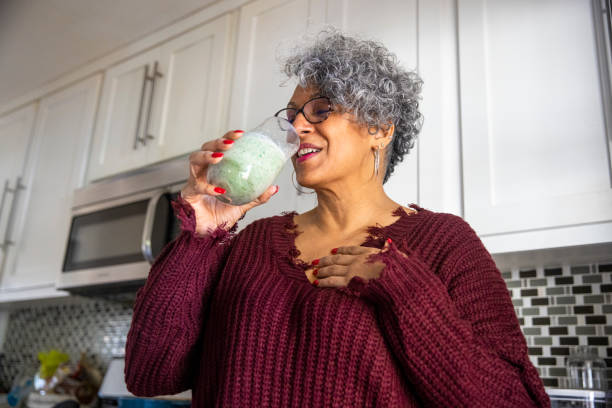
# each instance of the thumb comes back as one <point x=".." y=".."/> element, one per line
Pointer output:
<point x="261" y="199"/>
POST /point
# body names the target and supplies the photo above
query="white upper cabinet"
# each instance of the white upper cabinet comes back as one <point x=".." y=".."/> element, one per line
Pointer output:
<point x="394" y="24"/>
<point x="15" y="135"/>
<point x="165" y="102"/>
<point x="267" y="28"/>
<point x="439" y="152"/>
<point x="120" y="142"/>
<point x="191" y="105"/>
<point x="55" y="166"/>
<point x="536" y="151"/>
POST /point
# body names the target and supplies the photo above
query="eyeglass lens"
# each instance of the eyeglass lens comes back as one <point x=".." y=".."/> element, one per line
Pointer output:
<point x="315" y="111"/>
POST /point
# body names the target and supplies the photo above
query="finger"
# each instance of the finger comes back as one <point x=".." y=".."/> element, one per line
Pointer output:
<point x="331" y="282"/>
<point x="217" y="145"/>
<point x="202" y="158"/>
<point x="387" y="245"/>
<point x="233" y="134"/>
<point x="261" y="199"/>
<point x="332" y="270"/>
<point x="200" y="186"/>
<point x="199" y="162"/>
<point x="338" y="259"/>
<point x="224" y="142"/>
<point x="352" y="250"/>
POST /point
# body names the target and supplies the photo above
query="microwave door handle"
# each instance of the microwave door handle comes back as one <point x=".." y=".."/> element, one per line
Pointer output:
<point x="147" y="250"/>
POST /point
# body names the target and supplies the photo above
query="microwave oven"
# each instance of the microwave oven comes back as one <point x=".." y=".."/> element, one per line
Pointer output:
<point x="118" y="227"/>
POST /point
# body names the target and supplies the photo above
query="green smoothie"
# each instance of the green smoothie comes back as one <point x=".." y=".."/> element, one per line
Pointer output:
<point x="247" y="169"/>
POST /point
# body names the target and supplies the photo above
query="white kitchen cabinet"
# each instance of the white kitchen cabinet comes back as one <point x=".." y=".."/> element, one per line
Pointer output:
<point x="536" y="151"/>
<point x="191" y="106"/>
<point x="119" y="142"/>
<point x="55" y="166"/>
<point x="15" y="138"/>
<point x="268" y="29"/>
<point x="164" y="102"/>
<point x="394" y="24"/>
<point x="439" y="151"/>
<point x="265" y="30"/>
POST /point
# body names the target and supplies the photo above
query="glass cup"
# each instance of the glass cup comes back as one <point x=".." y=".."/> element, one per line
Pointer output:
<point x="586" y="369"/>
<point x="250" y="166"/>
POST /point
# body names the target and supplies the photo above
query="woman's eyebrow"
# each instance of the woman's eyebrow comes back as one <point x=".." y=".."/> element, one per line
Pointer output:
<point x="311" y="98"/>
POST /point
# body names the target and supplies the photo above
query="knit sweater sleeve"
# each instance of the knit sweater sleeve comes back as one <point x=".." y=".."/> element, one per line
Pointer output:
<point x="170" y="309"/>
<point x="459" y="343"/>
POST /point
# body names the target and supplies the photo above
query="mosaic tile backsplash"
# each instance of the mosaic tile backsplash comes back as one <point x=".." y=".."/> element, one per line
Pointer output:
<point x="95" y="326"/>
<point x="558" y="307"/>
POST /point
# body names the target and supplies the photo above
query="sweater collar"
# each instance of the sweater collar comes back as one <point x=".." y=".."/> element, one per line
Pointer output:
<point x="285" y="231"/>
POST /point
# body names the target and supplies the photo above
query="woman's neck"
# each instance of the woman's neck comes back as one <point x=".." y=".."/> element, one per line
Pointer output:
<point x="349" y="207"/>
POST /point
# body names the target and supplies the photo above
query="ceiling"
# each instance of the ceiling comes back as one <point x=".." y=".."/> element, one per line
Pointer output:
<point x="41" y="40"/>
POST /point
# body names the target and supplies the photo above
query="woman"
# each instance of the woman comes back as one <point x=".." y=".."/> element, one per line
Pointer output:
<point x="357" y="302"/>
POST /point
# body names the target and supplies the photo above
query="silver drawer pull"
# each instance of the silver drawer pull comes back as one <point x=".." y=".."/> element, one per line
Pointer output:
<point x="145" y="78"/>
<point x="15" y="191"/>
<point x="153" y="80"/>
<point x="5" y="191"/>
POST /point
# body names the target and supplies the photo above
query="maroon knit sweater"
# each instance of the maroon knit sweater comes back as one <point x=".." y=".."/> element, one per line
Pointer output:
<point x="234" y="318"/>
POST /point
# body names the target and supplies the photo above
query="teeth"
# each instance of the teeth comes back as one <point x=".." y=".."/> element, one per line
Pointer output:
<point x="307" y="150"/>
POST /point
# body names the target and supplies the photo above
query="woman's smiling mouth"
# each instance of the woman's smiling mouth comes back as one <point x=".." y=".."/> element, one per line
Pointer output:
<point x="306" y="151"/>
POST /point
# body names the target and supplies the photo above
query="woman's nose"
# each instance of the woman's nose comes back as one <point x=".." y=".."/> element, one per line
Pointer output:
<point x="301" y="125"/>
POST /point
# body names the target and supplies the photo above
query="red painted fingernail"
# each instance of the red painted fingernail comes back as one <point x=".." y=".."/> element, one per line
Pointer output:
<point x="315" y="262"/>
<point x="315" y="272"/>
<point x="217" y="154"/>
<point x="316" y="282"/>
<point x="228" y="141"/>
<point x="219" y="190"/>
<point x="238" y="131"/>
<point x="389" y="240"/>
<point x="276" y="189"/>
<point x="334" y="251"/>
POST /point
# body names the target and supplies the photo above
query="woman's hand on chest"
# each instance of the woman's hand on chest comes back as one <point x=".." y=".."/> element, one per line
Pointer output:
<point x="345" y="263"/>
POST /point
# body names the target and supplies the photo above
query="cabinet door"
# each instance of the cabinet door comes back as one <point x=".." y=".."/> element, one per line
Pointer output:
<point x="55" y="167"/>
<point x="15" y="136"/>
<point x="535" y="148"/>
<point x="265" y="27"/>
<point x="395" y="25"/>
<point x="190" y="100"/>
<point x="119" y="142"/>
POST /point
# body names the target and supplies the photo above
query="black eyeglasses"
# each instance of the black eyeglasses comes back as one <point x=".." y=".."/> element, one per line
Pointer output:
<point x="315" y="110"/>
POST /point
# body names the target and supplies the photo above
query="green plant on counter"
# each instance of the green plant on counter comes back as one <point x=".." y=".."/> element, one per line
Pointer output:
<point x="50" y="361"/>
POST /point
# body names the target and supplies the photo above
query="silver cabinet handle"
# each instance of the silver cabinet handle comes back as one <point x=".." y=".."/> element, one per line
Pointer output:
<point x="608" y="10"/>
<point x="153" y="79"/>
<point x="5" y="191"/>
<point x="15" y="191"/>
<point x="145" y="247"/>
<point x="145" y="78"/>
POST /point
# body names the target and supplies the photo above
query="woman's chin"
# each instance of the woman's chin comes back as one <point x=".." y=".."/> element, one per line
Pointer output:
<point x="308" y="180"/>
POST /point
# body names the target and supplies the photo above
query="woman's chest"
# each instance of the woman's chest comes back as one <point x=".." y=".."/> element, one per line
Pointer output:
<point x="270" y="291"/>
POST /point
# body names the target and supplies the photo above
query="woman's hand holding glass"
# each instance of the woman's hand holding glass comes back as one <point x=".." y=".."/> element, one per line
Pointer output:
<point x="210" y="212"/>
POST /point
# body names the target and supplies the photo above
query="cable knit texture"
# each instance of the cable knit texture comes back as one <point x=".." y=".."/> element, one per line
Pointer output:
<point x="234" y="318"/>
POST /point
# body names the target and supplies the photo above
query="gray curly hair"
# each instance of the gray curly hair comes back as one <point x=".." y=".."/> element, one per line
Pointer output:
<point x="364" y="78"/>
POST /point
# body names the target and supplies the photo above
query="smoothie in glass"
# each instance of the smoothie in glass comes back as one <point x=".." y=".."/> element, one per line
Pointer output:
<point x="250" y="166"/>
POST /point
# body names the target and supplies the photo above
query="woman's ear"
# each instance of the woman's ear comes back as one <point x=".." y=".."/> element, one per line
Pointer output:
<point x="389" y="131"/>
<point x="384" y="135"/>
